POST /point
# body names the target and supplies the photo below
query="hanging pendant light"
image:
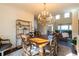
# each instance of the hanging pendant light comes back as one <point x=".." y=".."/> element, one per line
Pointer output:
<point x="43" y="16"/>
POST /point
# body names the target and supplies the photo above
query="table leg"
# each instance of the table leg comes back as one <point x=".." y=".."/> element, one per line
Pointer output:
<point x="41" y="51"/>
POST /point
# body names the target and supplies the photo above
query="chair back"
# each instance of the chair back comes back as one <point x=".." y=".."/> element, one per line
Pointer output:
<point x="26" y="44"/>
<point x="25" y="37"/>
<point x="53" y="45"/>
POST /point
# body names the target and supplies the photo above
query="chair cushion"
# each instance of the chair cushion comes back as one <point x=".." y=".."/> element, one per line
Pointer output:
<point x="5" y="46"/>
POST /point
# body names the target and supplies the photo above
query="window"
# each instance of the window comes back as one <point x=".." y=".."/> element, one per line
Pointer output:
<point x="59" y="27"/>
<point x="64" y="27"/>
<point x="66" y="15"/>
<point x="70" y="27"/>
<point x="57" y="16"/>
<point x="50" y="27"/>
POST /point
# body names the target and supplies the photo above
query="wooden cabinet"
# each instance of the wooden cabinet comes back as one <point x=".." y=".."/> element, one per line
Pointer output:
<point x="22" y="27"/>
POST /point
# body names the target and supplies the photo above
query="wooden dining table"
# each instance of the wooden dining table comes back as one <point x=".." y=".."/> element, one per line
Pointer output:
<point x="41" y="43"/>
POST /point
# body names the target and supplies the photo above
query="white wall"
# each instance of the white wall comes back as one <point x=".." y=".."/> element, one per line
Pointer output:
<point x="8" y="17"/>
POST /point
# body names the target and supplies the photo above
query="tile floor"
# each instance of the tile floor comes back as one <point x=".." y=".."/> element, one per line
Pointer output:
<point x="63" y="51"/>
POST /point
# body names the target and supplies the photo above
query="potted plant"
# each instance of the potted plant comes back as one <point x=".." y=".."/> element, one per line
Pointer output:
<point x="74" y="41"/>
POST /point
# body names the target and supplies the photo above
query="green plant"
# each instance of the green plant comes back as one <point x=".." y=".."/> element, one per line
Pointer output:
<point x="74" y="41"/>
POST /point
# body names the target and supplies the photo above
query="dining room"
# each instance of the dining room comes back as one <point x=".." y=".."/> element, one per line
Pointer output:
<point x="39" y="29"/>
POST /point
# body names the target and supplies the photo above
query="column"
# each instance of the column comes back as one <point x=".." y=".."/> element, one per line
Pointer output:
<point x="75" y="27"/>
<point x="74" y="23"/>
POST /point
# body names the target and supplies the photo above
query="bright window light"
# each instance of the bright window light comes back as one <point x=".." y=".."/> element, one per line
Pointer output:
<point x="66" y="15"/>
<point x="57" y="16"/>
<point x="64" y="27"/>
<point x="50" y="27"/>
<point x="59" y="27"/>
<point x="70" y="27"/>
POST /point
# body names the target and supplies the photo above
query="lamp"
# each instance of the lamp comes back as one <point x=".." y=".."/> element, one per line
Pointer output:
<point x="44" y="16"/>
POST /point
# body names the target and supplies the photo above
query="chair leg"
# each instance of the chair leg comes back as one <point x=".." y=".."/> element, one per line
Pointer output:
<point x="2" y="53"/>
<point x="30" y="51"/>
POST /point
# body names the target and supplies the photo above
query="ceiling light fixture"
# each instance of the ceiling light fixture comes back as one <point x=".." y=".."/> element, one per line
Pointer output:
<point x="44" y="16"/>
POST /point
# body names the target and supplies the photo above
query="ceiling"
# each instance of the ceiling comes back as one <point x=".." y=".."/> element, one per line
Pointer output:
<point x="37" y="7"/>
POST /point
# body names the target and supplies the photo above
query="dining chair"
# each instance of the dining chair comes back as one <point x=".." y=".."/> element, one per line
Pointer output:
<point x="50" y="49"/>
<point x="29" y="48"/>
<point x="26" y="46"/>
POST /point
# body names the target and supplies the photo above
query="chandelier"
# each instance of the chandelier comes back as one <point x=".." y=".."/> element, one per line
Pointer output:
<point x="44" y="16"/>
